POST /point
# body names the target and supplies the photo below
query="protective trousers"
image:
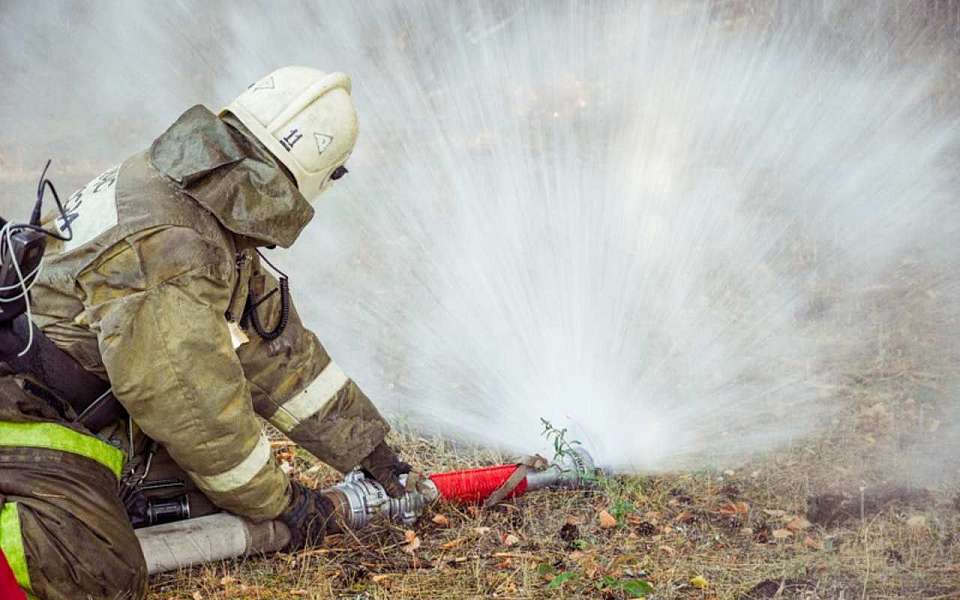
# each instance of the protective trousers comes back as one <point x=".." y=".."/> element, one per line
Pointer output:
<point x="63" y="529"/>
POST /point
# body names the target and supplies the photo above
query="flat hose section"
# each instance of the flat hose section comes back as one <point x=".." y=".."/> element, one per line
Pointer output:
<point x="220" y="536"/>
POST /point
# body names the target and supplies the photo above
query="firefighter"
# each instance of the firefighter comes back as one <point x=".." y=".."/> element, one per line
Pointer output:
<point x="161" y="291"/>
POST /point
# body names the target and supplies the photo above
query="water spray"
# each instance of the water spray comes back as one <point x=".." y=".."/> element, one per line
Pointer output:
<point x="358" y="501"/>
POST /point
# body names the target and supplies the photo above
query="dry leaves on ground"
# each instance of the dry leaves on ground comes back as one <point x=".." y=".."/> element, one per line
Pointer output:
<point x="440" y="520"/>
<point x="412" y="541"/>
<point x="607" y="521"/>
<point x="734" y="508"/>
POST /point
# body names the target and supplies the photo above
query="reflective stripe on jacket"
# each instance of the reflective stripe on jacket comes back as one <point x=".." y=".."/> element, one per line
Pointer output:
<point x="11" y="545"/>
<point x="49" y="436"/>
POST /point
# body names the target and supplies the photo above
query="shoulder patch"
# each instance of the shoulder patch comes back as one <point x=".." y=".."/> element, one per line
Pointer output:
<point x="90" y="211"/>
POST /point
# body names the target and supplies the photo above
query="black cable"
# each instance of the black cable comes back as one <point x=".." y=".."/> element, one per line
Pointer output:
<point x="252" y="304"/>
<point x="272" y="266"/>
<point x="274" y="333"/>
<point x="42" y="185"/>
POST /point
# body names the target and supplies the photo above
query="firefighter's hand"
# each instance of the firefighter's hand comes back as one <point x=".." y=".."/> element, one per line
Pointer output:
<point x="309" y="516"/>
<point x="385" y="467"/>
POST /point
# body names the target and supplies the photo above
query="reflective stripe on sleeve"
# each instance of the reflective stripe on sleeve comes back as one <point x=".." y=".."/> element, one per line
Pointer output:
<point x="11" y="543"/>
<point x="241" y="474"/>
<point x="308" y="402"/>
<point x="63" y="439"/>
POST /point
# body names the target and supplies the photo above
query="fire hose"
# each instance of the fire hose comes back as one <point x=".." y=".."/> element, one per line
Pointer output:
<point x="359" y="501"/>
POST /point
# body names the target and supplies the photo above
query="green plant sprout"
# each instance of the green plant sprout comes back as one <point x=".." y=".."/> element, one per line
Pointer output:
<point x="562" y="447"/>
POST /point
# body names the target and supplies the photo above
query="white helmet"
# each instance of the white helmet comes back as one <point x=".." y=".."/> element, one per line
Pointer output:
<point x="306" y="119"/>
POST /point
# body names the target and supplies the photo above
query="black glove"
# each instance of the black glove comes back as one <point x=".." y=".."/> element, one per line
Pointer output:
<point x="385" y="467"/>
<point x="309" y="516"/>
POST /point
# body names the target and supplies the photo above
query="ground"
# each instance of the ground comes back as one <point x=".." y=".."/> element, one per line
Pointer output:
<point x="780" y="527"/>
<point x="866" y="507"/>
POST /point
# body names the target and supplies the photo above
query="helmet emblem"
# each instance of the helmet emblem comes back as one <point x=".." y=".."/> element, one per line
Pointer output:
<point x="323" y="140"/>
<point x="264" y="84"/>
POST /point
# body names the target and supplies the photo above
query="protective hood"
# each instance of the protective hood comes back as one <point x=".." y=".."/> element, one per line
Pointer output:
<point x="232" y="177"/>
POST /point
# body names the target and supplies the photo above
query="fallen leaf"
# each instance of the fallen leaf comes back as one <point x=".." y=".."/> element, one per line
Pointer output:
<point x="227" y="580"/>
<point x="797" y="524"/>
<point x="481" y="530"/>
<point x="413" y="542"/>
<point x="573" y="520"/>
<point x="197" y="596"/>
<point x="775" y="512"/>
<point x="380" y="578"/>
<point x="917" y="522"/>
<point x="607" y="520"/>
<point x="453" y="544"/>
<point x="440" y="520"/>
<point x="505" y="563"/>
<point x="699" y="582"/>
<point x="684" y="517"/>
<point x="734" y="508"/>
<point x="810" y="542"/>
<point x="509" y="540"/>
<point x="782" y="534"/>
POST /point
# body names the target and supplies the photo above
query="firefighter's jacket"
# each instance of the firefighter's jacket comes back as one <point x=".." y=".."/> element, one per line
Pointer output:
<point x="150" y="293"/>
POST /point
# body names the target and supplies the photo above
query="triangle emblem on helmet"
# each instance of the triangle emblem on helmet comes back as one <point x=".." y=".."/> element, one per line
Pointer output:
<point x="323" y="141"/>
<point x="264" y="84"/>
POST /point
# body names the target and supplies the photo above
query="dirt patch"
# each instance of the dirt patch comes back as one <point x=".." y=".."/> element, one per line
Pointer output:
<point x="772" y="589"/>
<point x="569" y="533"/>
<point x="837" y="508"/>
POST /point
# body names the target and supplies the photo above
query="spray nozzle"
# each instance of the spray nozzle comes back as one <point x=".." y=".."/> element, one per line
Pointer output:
<point x="573" y="468"/>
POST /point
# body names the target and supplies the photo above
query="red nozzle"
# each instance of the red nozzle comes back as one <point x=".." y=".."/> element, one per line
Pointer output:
<point x="473" y="486"/>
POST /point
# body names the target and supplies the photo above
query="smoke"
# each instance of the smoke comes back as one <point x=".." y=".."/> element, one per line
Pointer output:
<point x="681" y="230"/>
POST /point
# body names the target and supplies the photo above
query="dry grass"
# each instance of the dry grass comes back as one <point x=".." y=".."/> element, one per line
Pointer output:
<point x="670" y="530"/>
<point x="876" y="485"/>
<point x="867" y="508"/>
